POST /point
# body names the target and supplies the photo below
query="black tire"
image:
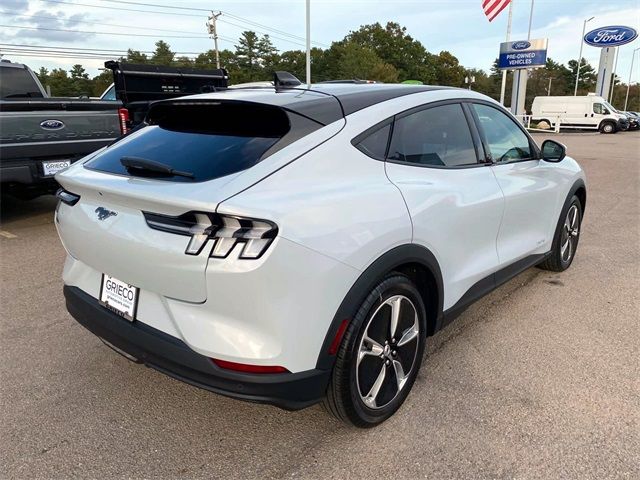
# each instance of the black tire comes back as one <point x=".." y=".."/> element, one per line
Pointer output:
<point x="559" y="261"/>
<point x="344" y="399"/>
<point x="608" y="128"/>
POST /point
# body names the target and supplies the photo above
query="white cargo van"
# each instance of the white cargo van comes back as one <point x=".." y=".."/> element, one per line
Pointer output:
<point x="589" y="112"/>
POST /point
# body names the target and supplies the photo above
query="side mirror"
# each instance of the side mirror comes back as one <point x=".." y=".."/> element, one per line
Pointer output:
<point x="553" y="151"/>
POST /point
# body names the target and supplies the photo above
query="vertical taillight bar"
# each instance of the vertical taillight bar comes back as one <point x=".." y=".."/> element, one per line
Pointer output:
<point x="123" y="116"/>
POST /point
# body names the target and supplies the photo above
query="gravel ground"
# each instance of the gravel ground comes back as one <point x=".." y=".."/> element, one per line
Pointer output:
<point x="541" y="379"/>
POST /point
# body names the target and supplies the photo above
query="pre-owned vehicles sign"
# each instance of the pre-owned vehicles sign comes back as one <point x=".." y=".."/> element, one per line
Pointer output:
<point x="523" y="54"/>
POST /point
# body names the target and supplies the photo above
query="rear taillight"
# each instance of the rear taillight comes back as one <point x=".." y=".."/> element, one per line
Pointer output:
<point x="226" y="231"/>
<point x="245" y="368"/>
<point x="123" y="117"/>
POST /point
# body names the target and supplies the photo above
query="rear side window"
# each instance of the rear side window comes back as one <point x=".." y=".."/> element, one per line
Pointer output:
<point x="207" y="141"/>
<point x="375" y="144"/>
<point x="437" y="136"/>
<point x="18" y="83"/>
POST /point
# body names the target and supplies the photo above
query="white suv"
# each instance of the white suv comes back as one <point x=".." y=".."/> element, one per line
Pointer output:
<point x="291" y="245"/>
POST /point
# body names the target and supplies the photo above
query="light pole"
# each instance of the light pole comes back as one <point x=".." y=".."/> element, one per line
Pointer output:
<point x="584" y="27"/>
<point x="633" y="57"/>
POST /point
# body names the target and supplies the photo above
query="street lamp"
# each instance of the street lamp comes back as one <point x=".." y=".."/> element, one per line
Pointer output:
<point x="633" y="56"/>
<point x="584" y="27"/>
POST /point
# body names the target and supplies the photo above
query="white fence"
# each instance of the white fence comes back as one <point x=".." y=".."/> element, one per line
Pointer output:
<point x="554" y="127"/>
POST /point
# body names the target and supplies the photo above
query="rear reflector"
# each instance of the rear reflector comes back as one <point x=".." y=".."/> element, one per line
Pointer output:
<point x="242" y="367"/>
<point x="333" y="348"/>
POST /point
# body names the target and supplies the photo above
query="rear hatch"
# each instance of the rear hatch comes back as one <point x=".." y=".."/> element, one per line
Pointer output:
<point x="209" y="149"/>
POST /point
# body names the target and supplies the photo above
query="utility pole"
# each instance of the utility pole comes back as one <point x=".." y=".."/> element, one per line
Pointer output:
<point x="633" y="56"/>
<point x="211" y="27"/>
<point x="308" y="45"/>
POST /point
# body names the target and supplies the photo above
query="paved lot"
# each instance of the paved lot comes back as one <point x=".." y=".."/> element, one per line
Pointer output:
<point x="539" y="380"/>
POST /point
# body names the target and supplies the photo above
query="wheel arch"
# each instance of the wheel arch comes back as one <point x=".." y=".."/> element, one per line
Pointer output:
<point x="416" y="262"/>
<point x="608" y="121"/>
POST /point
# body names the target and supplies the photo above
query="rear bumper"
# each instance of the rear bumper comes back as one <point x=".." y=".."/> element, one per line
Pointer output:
<point x="155" y="349"/>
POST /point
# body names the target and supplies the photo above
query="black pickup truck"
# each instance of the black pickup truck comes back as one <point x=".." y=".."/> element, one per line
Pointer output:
<point x="41" y="135"/>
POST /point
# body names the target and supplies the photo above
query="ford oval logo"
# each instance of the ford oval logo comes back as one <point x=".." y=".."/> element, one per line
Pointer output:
<point x="520" y="45"/>
<point x="610" y="36"/>
<point x="52" y="125"/>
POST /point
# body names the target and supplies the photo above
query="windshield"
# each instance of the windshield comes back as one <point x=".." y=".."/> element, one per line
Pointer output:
<point x="610" y="107"/>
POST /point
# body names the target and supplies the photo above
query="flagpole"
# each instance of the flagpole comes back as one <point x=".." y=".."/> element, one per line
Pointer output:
<point x="308" y="44"/>
<point x="503" y="87"/>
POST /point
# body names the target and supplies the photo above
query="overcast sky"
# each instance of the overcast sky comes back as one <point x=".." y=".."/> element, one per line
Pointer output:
<point x="455" y="25"/>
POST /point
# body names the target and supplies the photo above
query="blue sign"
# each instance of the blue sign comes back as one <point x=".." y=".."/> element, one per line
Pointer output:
<point x="523" y="54"/>
<point x="613" y="36"/>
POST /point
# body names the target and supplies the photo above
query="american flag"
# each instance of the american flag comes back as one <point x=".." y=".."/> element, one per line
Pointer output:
<point x="492" y="8"/>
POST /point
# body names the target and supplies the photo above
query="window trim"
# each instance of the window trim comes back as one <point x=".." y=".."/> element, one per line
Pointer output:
<point x="533" y="147"/>
<point x="475" y="136"/>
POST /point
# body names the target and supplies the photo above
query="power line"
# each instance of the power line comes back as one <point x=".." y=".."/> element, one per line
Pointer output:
<point x="124" y="9"/>
<point x="172" y="14"/>
<point x="102" y="33"/>
<point x="79" y="48"/>
<point x="237" y="17"/>
<point x="97" y="23"/>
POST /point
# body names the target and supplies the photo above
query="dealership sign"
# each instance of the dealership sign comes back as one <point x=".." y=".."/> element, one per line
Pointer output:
<point x="523" y="54"/>
<point x="610" y="36"/>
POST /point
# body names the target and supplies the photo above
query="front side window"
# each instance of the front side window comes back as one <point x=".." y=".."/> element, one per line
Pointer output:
<point x="506" y="141"/>
<point x="437" y="136"/>
<point x="599" y="108"/>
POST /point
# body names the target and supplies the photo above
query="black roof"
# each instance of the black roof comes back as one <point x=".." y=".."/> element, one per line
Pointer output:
<point x="323" y="103"/>
<point x="354" y="97"/>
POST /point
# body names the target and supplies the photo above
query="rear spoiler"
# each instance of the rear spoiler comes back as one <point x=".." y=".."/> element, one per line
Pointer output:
<point x="136" y="82"/>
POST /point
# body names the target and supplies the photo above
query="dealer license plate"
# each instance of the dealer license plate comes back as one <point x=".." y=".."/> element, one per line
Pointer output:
<point x="52" y="167"/>
<point x="119" y="297"/>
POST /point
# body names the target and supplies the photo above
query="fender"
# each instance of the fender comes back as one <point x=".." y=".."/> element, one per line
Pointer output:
<point x="394" y="258"/>
<point x="578" y="184"/>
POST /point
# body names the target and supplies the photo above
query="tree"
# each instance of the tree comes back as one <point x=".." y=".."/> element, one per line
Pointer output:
<point x="43" y="76"/>
<point x="588" y="76"/>
<point x="396" y="47"/>
<point x="60" y="83"/>
<point x="163" y="54"/>
<point x="449" y="72"/>
<point x="80" y="83"/>
<point x="134" y="56"/>
<point x="267" y="54"/>
<point x="101" y="82"/>
<point x="247" y="57"/>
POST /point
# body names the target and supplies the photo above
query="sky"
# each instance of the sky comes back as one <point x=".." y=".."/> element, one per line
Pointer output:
<point x="458" y="26"/>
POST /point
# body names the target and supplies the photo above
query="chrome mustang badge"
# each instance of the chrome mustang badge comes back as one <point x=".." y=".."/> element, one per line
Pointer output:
<point x="103" y="213"/>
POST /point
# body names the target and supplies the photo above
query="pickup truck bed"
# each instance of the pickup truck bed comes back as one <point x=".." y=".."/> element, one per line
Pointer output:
<point x="40" y="135"/>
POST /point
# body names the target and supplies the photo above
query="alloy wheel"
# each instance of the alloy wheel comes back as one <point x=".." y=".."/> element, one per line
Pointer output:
<point x="570" y="232"/>
<point x="387" y="351"/>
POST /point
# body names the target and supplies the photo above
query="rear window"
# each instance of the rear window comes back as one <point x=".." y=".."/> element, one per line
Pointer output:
<point x="18" y="83"/>
<point x="207" y="141"/>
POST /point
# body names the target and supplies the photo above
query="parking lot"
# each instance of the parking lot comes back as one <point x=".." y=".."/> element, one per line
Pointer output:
<point x="541" y="379"/>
